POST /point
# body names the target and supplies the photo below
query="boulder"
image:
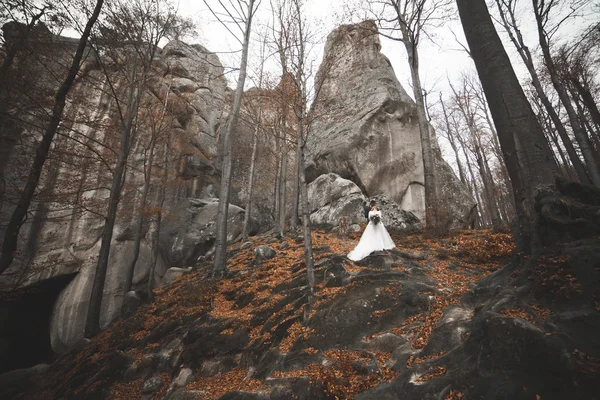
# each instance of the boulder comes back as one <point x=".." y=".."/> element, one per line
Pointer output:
<point x="185" y="376"/>
<point x="393" y="216"/>
<point x="131" y="302"/>
<point x="190" y="231"/>
<point x="152" y="385"/>
<point x="332" y="197"/>
<point x="172" y="274"/>
<point x="369" y="132"/>
<point x="182" y="394"/>
<point x="264" y="252"/>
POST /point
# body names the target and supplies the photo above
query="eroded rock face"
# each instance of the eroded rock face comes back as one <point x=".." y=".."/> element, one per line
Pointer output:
<point x="368" y="130"/>
<point x="190" y="232"/>
<point x="332" y="197"/>
<point x="394" y="216"/>
<point x="63" y="237"/>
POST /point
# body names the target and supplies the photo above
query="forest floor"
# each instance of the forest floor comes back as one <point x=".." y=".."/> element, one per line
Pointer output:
<point x="416" y="322"/>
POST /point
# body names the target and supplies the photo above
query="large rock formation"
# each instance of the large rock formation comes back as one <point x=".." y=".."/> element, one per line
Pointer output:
<point x="62" y="239"/>
<point x="191" y="231"/>
<point x="367" y="129"/>
<point x="331" y="197"/>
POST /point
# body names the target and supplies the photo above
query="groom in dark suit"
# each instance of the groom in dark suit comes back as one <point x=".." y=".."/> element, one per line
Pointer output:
<point x="366" y="210"/>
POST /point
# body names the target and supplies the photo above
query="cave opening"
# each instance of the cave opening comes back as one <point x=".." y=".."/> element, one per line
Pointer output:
<point x="25" y="323"/>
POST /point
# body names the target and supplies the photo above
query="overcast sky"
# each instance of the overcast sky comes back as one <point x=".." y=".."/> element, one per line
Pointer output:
<point x="440" y="58"/>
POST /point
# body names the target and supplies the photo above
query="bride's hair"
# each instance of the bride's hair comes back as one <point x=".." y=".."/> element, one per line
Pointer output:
<point x="372" y="203"/>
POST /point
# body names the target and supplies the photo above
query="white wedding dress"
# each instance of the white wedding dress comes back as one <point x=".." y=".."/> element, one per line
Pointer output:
<point x="374" y="238"/>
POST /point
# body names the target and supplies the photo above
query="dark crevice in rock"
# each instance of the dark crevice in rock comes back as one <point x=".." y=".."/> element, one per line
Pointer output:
<point x="25" y="323"/>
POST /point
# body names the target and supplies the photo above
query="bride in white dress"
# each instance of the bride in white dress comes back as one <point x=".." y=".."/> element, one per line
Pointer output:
<point x="374" y="238"/>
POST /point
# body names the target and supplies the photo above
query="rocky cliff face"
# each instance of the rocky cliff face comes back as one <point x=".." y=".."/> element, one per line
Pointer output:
<point x="366" y="128"/>
<point x="62" y="239"/>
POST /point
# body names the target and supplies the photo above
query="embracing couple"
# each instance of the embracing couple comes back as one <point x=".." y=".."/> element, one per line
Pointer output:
<point x="374" y="238"/>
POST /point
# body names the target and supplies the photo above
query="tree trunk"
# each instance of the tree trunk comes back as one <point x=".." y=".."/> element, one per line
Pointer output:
<point x="587" y="99"/>
<point x="11" y="236"/>
<point x="283" y="191"/>
<point x="584" y="145"/>
<point x="296" y="200"/>
<point x="453" y="144"/>
<point x="92" y="324"/>
<point x="139" y="223"/>
<point x="156" y="236"/>
<point x="526" y="151"/>
<point x="308" y="250"/>
<point x="219" y="266"/>
<point x="299" y="133"/>
<point x="431" y="203"/>
<point x="251" y="176"/>
<point x="277" y="185"/>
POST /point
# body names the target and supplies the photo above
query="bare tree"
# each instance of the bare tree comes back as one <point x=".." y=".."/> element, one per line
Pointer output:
<point x="452" y="141"/>
<point x="245" y="11"/>
<point x="9" y="246"/>
<point x="508" y="19"/>
<point x="542" y="10"/>
<point x="463" y="101"/>
<point x="526" y="151"/>
<point x="255" y="135"/>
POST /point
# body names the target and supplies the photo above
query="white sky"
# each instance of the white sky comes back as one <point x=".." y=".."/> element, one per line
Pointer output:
<point x="439" y="60"/>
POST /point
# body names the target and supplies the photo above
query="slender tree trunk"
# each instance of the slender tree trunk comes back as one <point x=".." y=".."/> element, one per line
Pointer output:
<point x="156" y="236"/>
<point x="584" y="145"/>
<point x="563" y="158"/>
<point x="487" y="190"/>
<point x="453" y="143"/>
<point x="219" y="266"/>
<point x="139" y="223"/>
<point x="296" y="200"/>
<point x="588" y="131"/>
<point x="283" y="191"/>
<point x="526" y="151"/>
<point x="251" y="176"/>
<point x="587" y="99"/>
<point x="277" y="184"/>
<point x="299" y="133"/>
<point x="490" y="186"/>
<point x="92" y="324"/>
<point x="11" y="236"/>
<point x="431" y="203"/>
<point x="308" y="250"/>
<point x="484" y="217"/>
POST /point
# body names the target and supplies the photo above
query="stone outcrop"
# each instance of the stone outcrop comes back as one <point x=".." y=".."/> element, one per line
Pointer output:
<point x="332" y="197"/>
<point x="367" y="128"/>
<point x="63" y="236"/>
<point x="190" y="232"/>
<point x="394" y="216"/>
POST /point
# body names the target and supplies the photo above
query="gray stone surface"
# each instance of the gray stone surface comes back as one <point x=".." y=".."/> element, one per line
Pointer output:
<point x="67" y="240"/>
<point x="131" y="302"/>
<point x="368" y="130"/>
<point x="332" y="197"/>
<point x="172" y="274"/>
<point x="190" y="231"/>
<point x="264" y="252"/>
<point x="152" y="385"/>
<point x="185" y="376"/>
<point x="395" y="217"/>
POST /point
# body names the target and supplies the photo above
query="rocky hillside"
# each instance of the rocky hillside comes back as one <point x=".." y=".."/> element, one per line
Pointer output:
<point x="436" y="318"/>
